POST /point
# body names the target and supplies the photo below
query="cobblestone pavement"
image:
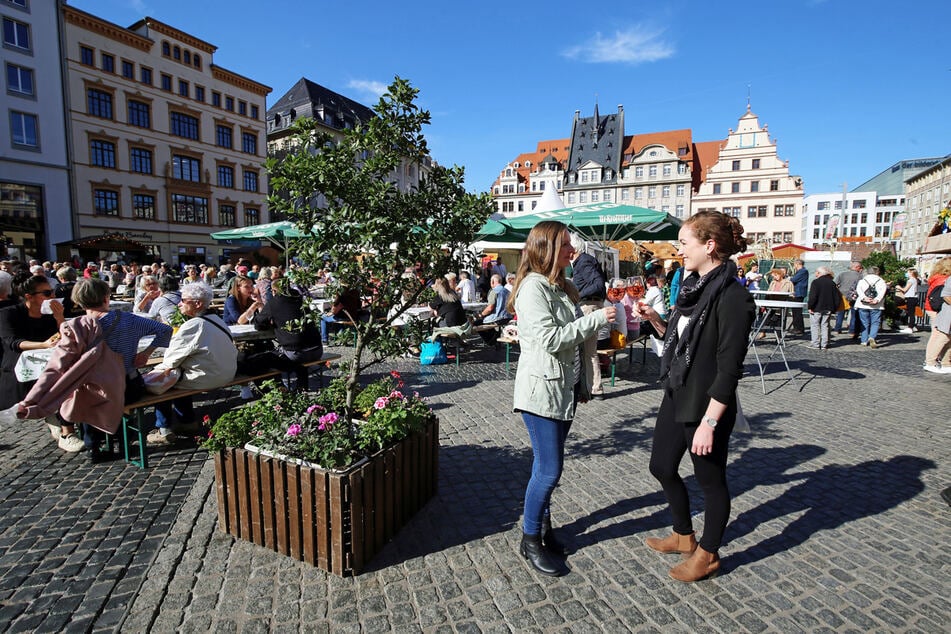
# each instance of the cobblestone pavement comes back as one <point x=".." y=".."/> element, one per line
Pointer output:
<point x="837" y="522"/>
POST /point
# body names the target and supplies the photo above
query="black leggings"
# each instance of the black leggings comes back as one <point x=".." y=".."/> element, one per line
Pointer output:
<point x="671" y="440"/>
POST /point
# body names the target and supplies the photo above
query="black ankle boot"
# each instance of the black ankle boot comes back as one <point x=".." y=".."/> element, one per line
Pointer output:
<point x="550" y="542"/>
<point x="541" y="560"/>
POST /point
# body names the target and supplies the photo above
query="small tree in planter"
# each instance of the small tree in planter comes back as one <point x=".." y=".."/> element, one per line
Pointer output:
<point x="340" y="192"/>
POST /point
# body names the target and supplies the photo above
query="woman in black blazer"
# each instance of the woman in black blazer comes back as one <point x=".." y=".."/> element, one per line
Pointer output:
<point x="705" y="343"/>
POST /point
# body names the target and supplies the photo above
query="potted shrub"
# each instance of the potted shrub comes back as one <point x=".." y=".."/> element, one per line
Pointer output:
<point x="296" y="476"/>
<point x="370" y="200"/>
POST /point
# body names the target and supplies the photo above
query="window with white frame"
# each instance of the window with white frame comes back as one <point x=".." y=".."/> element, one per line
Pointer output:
<point x="16" y="34"/>
<point x="680" y="189"/>
<point x="24" y="129"/>
<point x="20" y="80"/>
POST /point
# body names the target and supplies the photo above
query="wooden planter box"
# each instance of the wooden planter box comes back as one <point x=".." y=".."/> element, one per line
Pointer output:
<point x="336" y="521"/>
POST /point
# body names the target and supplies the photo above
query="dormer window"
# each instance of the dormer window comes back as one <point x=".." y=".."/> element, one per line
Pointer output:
<point x="516" y="165"/>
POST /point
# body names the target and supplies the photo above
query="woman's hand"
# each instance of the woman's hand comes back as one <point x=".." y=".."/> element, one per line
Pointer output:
<point x="645" y="312"/>
<point x="702" y="440"/>
<point x="611" y="312"/>
<point x="58" y="311"/>
<point x="51" y="342"/>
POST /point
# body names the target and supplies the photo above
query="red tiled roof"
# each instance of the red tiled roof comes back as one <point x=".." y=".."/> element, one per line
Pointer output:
<point x="556" y="147"/>
<point x="673" y="140"/>
<point x="708" y="153"/>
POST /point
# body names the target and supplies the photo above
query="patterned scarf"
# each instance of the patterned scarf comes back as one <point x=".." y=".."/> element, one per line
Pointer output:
<point x="694" y="300"/>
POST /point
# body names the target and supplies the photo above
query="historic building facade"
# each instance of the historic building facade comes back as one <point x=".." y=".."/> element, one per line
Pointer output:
<point x="748" y="180"/>
<point x="667" y="171"/>
<point x="333" y="113"/>
<point x="168" y="147"/>
<point x="34" y="165"/>
<point x="599" y="164"/>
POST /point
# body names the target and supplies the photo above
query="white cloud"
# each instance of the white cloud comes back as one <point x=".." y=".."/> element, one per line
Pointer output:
<point x="369" y="88"/>
<point x="636" y="45"/>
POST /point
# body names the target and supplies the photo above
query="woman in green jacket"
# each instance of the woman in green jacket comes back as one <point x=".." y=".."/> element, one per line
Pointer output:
<point x="548" y="376"/>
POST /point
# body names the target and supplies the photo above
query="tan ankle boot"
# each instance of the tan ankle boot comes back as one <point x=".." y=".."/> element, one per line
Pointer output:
<point x="700" y="565"/>
<point x="673" y="543"/>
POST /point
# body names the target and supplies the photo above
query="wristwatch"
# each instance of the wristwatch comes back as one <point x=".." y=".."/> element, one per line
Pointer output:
<point x="710" y="420"/>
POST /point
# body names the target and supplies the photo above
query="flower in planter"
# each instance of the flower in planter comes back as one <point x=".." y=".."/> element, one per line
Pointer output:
<point x="311" y="426"/>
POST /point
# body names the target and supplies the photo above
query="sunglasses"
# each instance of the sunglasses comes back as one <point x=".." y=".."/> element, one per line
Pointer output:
<point x="46" y="293"/>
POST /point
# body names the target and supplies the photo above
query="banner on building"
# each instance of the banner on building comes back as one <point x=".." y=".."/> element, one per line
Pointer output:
<point x="831" y="227"/>
<point x="898" y="225"/>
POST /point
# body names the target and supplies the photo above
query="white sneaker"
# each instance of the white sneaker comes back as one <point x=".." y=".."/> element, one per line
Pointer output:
<point x="54" y="431"/>
<point x="944" y="370"/>
<point x="936" y="369"/>
<point x="906" y="331"/>
<point x="70" y="443"/>
<point x="157" y="437"/>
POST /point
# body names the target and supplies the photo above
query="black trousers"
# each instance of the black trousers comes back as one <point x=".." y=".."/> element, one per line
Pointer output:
<point x="671" y="441"/>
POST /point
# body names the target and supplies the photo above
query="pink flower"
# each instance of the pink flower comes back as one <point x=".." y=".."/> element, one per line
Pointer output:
<point x="381" y="402"/>
<point x="293" y="430"/>
<point x="277" y="408"/>
<point x="327" y="420"/>
<point x="396" y="394"/>
<point x="394" y="374"/>
<point x="314" y="408"/>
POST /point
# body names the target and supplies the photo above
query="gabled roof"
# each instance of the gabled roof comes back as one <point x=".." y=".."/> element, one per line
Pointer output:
<point x="597" y="138"/>
<point x="673" y="140"/>
<point x="306" y="97"/>
<point x="544" y="152"/>
<point x="708" y="153"/>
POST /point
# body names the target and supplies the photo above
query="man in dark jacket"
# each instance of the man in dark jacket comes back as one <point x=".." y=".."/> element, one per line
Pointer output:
<point x="824" y="299"/>
<point x="295" y="346"/>
<point x="588" y="278"/>
<point x="800" y="281"/>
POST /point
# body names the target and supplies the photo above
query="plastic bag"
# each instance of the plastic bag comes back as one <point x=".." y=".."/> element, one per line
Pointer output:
<point x="31" y="363"/>
<point x="157" y="382"/>
<point x="432" y="353"/>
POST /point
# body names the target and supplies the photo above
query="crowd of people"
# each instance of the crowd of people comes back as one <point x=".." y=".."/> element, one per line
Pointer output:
<point x="93" y="358"/>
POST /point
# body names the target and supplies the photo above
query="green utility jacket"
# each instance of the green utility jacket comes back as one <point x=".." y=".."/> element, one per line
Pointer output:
<point x="549" y="335"/>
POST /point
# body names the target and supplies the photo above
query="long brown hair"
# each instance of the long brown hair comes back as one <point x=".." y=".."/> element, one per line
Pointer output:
<point x="541" y="255"/>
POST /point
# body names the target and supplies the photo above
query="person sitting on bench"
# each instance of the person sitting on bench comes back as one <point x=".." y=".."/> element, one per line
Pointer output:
<point x="451" y="318"/>
<point x="203" y="349"/>
<point x="496" y="312"/>
<point x="295" y="346"/>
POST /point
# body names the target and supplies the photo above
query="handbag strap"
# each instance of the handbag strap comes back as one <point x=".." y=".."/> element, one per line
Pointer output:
<point x="218" y="326"/>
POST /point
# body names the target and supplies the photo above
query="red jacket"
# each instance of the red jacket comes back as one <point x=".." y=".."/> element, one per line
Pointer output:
<point x="934" y="280"/>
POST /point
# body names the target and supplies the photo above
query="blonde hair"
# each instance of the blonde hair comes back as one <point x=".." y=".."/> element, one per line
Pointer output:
<point x="943" y="267"/>
<point x="541" y="254"/>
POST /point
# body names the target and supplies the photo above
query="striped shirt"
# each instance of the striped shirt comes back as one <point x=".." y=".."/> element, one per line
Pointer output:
<point x="124" y="339"/>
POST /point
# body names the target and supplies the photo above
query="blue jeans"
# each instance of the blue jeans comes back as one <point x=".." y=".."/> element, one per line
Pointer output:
<point x="548" y="448"/>
<point x="324" y="321"/>
<point x="871" y="320"/>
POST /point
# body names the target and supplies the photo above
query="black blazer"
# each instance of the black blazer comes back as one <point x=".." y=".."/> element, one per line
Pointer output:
<point x="718" y="360"/>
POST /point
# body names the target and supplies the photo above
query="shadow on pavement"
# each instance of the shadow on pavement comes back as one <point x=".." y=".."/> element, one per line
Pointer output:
<point x="482" y="492"/>
<point x="830" y="497"/>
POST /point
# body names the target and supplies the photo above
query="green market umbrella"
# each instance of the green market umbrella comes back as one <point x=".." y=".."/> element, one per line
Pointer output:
<point x="500" y="231"/>
<point x="276" y="232"/>
<point x="605" y="222"/>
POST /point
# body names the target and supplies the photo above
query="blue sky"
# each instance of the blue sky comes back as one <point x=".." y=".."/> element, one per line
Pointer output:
<point x="846" y="87"/>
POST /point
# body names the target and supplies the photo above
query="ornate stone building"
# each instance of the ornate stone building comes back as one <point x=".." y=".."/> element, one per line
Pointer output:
<point x="334" y="113"/>
<point x="748" y="180"/>
<point x="168" y="147"/>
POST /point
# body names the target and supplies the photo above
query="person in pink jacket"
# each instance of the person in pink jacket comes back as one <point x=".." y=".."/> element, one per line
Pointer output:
<point x="88" y="383"/>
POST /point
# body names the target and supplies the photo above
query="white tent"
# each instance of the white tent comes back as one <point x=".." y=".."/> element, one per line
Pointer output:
<point x="550" y="201"/>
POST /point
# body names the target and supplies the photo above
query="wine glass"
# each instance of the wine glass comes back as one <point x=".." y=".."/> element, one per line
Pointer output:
<point x="636" y="287"/>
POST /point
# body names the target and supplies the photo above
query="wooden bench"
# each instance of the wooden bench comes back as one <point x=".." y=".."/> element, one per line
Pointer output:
<point x="133" y="417"/>
<point x="508" y="342"/>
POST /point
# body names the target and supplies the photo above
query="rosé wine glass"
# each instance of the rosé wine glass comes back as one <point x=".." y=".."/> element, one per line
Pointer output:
<point x="636" y="287"/>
